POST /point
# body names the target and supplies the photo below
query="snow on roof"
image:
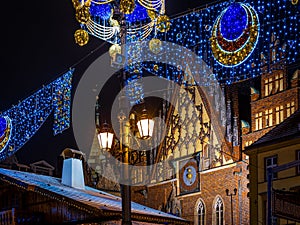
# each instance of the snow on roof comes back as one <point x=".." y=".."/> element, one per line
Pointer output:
<point x="90" y="196"/>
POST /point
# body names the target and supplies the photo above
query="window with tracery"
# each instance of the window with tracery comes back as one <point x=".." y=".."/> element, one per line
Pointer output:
<point x="219" y="212"/>
<point x="200" y="214"/>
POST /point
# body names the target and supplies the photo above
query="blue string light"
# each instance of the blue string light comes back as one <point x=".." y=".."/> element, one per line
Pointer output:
<point x="22" y="121"/>
<point x="194" y="31"/>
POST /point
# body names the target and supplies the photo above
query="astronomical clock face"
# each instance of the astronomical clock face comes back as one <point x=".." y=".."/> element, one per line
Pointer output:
<point x="235" y="34"/>
<point x="189" y="177"/>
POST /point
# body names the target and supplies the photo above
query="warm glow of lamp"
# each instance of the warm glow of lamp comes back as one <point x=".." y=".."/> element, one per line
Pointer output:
<point x="145" y="126"/>
<point x="105" y="138"/>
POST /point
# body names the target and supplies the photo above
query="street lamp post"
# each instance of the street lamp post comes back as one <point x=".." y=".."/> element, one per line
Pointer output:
<point x="231" y="204"/>
<point x="105" y="137"/>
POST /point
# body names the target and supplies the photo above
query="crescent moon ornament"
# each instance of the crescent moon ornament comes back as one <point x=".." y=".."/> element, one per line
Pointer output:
<point x="235" y="34"/>
<point x="5" y="132"/>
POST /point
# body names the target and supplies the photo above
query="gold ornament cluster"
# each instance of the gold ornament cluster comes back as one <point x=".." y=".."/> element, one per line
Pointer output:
<point x="81" y="37"/>
<point x="163" y="23"/>
<point x="82" y="16"/>
<point x="127" y="6"/>
<point x="155" y="45"/>
<point x="234" y="56"/>
<point x="82" y="11"/>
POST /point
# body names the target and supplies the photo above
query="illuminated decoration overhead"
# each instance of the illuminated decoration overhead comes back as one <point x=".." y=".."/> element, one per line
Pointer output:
<point x="114" y="49"/>
<point x="22" y="121"/>
<point x="5" y="132"/>
<point x="100" y="18"/>
<point x="278" y="28"/>
<point x="163" y="23"/>
<point x="294" y="2"/>
<point x="155" y="45"/>
<point x="127" y="6"/>
<point x="235" y="34"/>
<point x="81" y="37"/>
<point x="134" y="89"/>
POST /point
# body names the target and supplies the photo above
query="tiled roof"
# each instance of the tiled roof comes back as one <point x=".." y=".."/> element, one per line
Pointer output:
<point x="91" y="197"/>
<point x="289" y="128"/>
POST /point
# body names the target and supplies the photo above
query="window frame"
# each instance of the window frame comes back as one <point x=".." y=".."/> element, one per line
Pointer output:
<point x="219" y="211"/>
<point x="279" y="114"/>
<point x="201" y="218"/>
<point x="258" y="121"/>
<point x="268" y="118"/>
<point x="275" y="175"/>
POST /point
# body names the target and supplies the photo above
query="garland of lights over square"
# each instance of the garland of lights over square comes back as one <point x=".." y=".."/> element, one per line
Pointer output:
<point x="236" y="35"/>
<point x="232" y="38"/>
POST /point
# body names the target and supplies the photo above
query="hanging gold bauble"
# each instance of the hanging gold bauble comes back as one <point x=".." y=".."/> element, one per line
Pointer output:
<point x="163" y="23"/>
<point x="83" y="14"/>
<point x="81" y="37"/>
<point x="152" y="14"/>
<point x="114" y="49"/>
<point x="155" y="45"/>
<point x="294" y="2"/>
<point x="155" y="67"/>
<point x="127" y="6"/>
<point x="75" y="3"/>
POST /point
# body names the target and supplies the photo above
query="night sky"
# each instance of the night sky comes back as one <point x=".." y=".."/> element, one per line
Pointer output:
<point x="37" y="47"/>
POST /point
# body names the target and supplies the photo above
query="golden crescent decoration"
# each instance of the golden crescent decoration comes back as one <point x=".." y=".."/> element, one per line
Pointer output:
<point x="230" y="53"/>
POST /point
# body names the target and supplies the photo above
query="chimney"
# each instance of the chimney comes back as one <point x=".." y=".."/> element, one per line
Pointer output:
<point x="72" y="174"/>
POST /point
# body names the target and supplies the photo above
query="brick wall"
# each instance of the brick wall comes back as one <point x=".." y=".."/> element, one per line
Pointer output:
<point x="213" y="183"/>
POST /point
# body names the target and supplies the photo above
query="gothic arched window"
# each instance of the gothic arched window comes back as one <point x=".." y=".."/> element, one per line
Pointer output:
<point x="219" y="212"/>
<point x="201" y="213"/>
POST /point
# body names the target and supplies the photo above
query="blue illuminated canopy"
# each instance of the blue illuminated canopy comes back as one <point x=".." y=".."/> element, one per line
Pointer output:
<point x="139" y="14"/>
<point x="3" y="126"/>
<point x="233" y="22"/>
<point x="103" y="11"/>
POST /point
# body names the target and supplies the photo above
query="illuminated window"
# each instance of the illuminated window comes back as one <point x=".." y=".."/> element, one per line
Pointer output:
<point x="219" y="212"/>
<point x="278" y="82"/>
<point x="248" y="143"/>
<point x="268" y="86"/>
<point x="269" y="117"/>
<point x="290" y="108"/>
<point x="279" y="114"/>
<point x="258" y="121"/>
<point x="270" y="162"/>
<point x="200" y="213"/>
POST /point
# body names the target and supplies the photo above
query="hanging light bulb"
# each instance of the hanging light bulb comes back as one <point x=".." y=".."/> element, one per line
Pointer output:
<point x="105" y="138"/>
<point x="145" y="126"/>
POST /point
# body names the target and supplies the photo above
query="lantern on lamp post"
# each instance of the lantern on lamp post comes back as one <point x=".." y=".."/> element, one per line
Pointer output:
<point x="105" y="138"/>
<point x="145" y="126"/>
